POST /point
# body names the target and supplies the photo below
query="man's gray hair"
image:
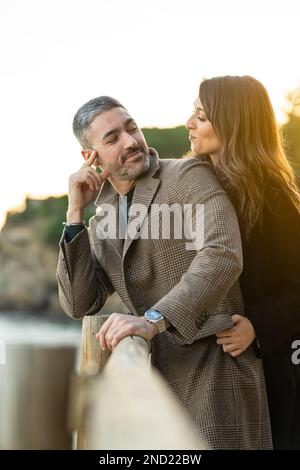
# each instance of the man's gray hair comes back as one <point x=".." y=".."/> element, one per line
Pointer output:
<point x="87" y="112"/>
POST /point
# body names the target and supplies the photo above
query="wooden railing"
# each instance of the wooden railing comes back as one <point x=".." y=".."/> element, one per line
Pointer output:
<point x="121" y="402"/>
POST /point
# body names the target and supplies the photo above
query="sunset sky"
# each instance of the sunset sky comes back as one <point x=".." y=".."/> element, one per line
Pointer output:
<point x="149" y="54"/>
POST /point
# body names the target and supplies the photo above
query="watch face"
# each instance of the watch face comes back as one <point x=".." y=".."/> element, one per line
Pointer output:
<point x="153" y="315"/>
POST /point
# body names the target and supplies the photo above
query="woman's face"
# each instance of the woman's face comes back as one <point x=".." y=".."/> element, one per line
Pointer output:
<point x="201" y="133"/>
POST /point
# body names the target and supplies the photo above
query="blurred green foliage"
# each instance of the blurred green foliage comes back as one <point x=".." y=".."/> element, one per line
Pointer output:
<point x="45" y="216"/>
<point x="170" y="143"/>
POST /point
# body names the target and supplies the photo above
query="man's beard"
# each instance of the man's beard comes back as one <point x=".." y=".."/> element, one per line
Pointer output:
<point x="132" y="170"/>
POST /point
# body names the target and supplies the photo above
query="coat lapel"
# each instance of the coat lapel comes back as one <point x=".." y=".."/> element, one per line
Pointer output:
<point x="145" y="189"/>
<point x="108" y="195"/>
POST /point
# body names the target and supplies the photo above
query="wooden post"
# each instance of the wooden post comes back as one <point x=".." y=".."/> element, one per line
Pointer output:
<point x="92" y="357"/>
<point x="92" y="361"/>
<point x="34" y="390"/>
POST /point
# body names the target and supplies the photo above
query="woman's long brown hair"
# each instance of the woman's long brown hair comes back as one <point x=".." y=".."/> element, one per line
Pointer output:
<point x="251" y="152"/>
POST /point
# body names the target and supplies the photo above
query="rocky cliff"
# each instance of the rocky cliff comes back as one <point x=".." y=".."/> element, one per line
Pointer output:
<point x="28" y="256"/>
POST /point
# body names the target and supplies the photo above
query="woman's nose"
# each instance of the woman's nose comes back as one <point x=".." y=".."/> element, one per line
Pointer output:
<point x="190" y="124"/>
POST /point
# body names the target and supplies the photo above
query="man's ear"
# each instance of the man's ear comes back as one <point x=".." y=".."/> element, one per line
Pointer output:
<point x="86" y="153"/>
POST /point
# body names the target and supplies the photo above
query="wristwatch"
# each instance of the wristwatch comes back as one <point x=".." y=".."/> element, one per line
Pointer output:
<point x="154" y="316"/>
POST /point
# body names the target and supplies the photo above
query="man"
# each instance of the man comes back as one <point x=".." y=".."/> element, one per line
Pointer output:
<point x="178" y="297"/>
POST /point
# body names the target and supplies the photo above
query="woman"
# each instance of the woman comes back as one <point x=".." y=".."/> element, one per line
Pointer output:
<point x="233" y="126"/>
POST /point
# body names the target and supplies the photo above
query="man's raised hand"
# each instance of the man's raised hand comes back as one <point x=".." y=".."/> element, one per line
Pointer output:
<point x="82" y="187"/>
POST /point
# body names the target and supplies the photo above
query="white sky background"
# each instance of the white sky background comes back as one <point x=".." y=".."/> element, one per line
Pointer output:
<point x="149" y="54"/>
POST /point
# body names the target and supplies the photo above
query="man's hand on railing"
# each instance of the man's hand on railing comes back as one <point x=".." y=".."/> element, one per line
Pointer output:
<point x="120" y="325"/>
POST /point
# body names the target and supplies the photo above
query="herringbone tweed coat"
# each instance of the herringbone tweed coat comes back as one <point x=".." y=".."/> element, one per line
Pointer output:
<point x="196" y="290"/>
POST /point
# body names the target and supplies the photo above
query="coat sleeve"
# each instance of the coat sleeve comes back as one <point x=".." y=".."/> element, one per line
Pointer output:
<point x="217" y="264"/>
<point x="276" y="317"/>
<point x="83" y="285"/>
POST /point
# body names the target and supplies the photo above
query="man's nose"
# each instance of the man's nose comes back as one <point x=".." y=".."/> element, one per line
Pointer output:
<point x="129" y="140"/>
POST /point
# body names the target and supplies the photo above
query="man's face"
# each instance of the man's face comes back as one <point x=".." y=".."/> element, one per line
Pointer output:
<point x="120" y="144"/>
